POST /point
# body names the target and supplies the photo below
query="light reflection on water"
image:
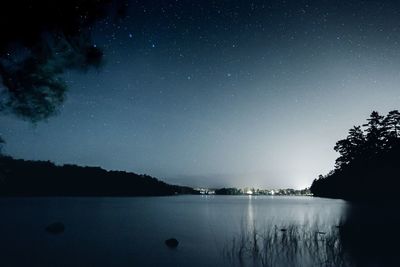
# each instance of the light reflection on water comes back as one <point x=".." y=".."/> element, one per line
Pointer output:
<point x="131" y="231"/>
<point x="250" y="217"/>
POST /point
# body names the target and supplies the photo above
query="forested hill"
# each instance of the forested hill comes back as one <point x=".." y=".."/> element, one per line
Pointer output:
<point x="44" y="178"/>
<point x="368" y="167"/>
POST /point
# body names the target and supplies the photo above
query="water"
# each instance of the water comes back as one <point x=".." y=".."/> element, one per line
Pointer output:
<point x="132" y="231"/>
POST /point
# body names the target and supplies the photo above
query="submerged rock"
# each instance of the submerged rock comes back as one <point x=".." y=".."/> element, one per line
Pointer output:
<point x="55" y="228"/>
<point x="172" y="242"/>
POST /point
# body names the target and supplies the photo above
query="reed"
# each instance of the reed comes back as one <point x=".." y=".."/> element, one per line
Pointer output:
<point x="287" y="245"/>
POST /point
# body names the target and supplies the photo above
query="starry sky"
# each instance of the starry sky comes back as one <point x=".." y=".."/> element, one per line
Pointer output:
<point x="223" y="93"/>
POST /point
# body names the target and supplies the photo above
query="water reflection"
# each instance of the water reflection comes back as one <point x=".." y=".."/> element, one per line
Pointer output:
<point x="125" y="230"/>
<point x="250" y="212"/>
<point x="351" y="234"/>
<point x="370" y="234"/>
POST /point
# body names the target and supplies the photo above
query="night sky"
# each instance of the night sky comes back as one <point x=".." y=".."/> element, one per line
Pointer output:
<point x="223" y="93"/>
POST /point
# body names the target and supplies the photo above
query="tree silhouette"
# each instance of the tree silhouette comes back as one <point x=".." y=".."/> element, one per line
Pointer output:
<point x="376" y="133"/>
<point x="351" y="147"/>
<point x="1" y="144"/>
<point x="44" y="178"/>
<point x="392" y="122"/>
<point x="40" y="40"/>
<point x="368" y="159"/>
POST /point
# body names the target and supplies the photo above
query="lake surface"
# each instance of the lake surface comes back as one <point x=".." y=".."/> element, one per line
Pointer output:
<point x="132" y="231"/>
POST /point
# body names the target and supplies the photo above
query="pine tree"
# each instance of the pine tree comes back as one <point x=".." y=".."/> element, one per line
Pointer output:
<point x="392" y="122"/>
<point x="350" y="148"/>
<point x="376" y="133"/>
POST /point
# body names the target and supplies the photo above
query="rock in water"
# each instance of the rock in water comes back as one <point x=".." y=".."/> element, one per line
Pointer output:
<point x="172" y="242"/>
<point x="55" y="228"/>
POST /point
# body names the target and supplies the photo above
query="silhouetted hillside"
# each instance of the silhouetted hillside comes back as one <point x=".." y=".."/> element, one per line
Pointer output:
<point x="369" y="162"/>
<point x="44" y="178"/>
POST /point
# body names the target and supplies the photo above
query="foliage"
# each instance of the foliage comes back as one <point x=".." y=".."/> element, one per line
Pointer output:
<point x="228" y="191"/>
<point x="43" y="178"/>
<point x="1" y="144"/>
<point x="369" y="159"/>
<point x="40" y="41"/>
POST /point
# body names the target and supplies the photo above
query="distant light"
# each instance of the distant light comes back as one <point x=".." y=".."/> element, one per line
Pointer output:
<point x="130" y="35"/>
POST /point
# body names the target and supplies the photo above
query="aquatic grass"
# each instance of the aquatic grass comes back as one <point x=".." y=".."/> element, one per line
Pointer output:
<point x="287" y="245"/>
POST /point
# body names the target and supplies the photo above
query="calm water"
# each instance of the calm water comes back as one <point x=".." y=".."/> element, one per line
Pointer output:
<point x="131" y="231"/>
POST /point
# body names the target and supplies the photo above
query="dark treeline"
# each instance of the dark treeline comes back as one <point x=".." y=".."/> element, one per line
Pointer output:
<point x="44" y="178"/>
<point x="369" y="163"/>
<point x="228" y="191"/>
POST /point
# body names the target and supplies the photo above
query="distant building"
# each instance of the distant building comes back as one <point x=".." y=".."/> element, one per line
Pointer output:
<point x="205" y="191"/>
